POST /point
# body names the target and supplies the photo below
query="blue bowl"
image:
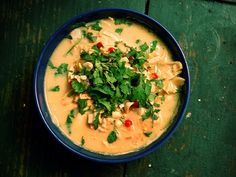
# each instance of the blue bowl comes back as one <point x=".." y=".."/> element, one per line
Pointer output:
<point x="56" y="38"/>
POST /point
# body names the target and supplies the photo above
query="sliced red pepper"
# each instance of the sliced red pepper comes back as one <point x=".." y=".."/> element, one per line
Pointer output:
<point x="131" y="58"/>
<point x="136" y="104"/>
<point x="154" y="76"/>
<point x="128" y="122"/>
<point x="111" y="49"/>
<point x="99" y="45"/>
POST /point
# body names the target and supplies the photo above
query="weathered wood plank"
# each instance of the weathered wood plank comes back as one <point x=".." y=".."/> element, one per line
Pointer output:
<point x="205" y="144"/>
<point x="26" y="147"/>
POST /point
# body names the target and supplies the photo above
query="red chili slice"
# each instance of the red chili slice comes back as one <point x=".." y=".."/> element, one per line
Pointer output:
<point x="111" y="49"/>
<point x="136" y="104"/>
<point x="128" y="123"/>
<point x="131" y="58"/>
<point x="154" y="75"/>
<point x="99" y="45"/>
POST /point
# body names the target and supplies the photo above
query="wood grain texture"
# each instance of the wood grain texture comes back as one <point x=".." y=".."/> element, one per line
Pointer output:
<point x="26" y="147"/>
<point x="205" y="143"/>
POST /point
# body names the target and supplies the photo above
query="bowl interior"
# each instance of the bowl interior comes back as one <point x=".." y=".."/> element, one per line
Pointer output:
<point x="56" y="38"/>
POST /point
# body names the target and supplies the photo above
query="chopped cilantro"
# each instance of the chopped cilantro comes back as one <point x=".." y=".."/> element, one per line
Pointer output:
<point x="68" y="36"/>
<point x="62" y="69"/>
<point x="96" y="121"/>
<point x="50" y="64"/>
<point x="55" y="89"/>
<point x="78" y="87"/>
<point x="159" y="83"/>
<point x="179" y="90"/>
<point x="71" y="49"/>
<point x="156" y="105"/>
<point x="141" y="92"/>
<point x="119" y="30"/>
<point x="119" y="21"/>
<point x="147" y="114"/>
<point x="163" y="98"/>
<point x="82" y="141"/>
<point x="137" y="41"/>
<point x="150" y="112"/>
<point x="70" y="93"/>
<point x="82" y="104"/>
<point x="77" y="25"/>
<point x="153" y="45"/>
<point x="96" y="26"/>
<point x="96" y="49"/>
<point x="147" y="134"/>
<point x="69" y="120"/>
<point x="89" y="36"/>
<point x="144" y="47"/>
<point x="112" y="137"/>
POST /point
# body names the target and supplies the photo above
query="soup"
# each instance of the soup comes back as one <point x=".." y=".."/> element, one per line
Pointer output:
<point x="112" y="86"/>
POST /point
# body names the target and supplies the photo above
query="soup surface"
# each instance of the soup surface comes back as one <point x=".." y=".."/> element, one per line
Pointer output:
<point x="112" y="86"/>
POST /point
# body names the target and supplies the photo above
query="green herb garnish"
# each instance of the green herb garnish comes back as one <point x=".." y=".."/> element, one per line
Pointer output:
<point x="144" y="47"/>
<point x="78" y="87"/>
<point x="55" y="89"/>
<point x="89" y="36"/>
<point x="62" y="69"/>
<point x="112" y="137"/>
<point x="163" y="98"/>
<point x="119" y="30"/>
<point x="137" y="41"/>
<point x="96" y="26"/>
<point x="50" y="64"/>
<point x="82" y="141"/>
<point x="147" y="134"/>
<point x="69" y="120"/>
<point x="153" y="45"/>
<point x="120" y="21"/>
<point x="71" y="49"/>
<point x="96" y="121"/>
<point x="82" y="104"/>
<point x="150" y="112"/>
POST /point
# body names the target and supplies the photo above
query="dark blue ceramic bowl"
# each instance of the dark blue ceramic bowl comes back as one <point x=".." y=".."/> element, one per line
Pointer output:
<point x="150" y="23"/>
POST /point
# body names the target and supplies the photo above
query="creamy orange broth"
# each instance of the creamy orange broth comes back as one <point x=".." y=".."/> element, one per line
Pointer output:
<point x="129" y="138"/>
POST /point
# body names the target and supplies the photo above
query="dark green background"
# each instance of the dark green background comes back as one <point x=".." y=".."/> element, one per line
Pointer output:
<point x="203" y="146"/>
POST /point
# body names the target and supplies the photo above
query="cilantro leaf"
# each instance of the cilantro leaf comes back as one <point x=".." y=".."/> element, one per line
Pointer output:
<point x="110" y="78"/>
<point x="50" y="64"/>
<point x="78" y="87"/>
<point x="119" y="30"/>
<point x="159" y="83"/>
<point x="137" y="41"/>
<point x="119" y="21"/>
<point x="153" y="45"/>
<point x="96" y="121"/>
<point x="55" y="89"/>
<point x="96" y="26"/>
<point x="82" y="104"/>
<point x="144" y="47"/>
<point x="97" y="78"/>
<point x="71" y="49"/>
<point x="69" y="120"/>
<point x="89" y="36"/>
<point x="125" y="87"/>
<point x="77" y="25"/>
<point x="147" y="114"/>
<point x="147" y="134"/>
<point x="112" y="137"/>
<point x="82" y="141"/>
<point x="62" y="69"/>
<point x="106" y="104"/>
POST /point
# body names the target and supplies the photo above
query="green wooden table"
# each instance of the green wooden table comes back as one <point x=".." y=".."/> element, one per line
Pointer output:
<point x="203" y="146"/>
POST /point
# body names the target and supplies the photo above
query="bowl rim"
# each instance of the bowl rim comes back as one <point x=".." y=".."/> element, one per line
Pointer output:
<point x="139" y="153"/>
